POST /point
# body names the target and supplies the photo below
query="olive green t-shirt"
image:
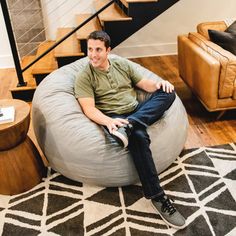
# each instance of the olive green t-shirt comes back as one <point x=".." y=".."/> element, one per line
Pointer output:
<point x="112" y="90"/>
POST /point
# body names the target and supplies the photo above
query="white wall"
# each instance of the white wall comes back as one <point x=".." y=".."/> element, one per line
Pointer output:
<point x="61" y="13"/>
<point x="157" y="38"/>
<point x="6" y="60"/>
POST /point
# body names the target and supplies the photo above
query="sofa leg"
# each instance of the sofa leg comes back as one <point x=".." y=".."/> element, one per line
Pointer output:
<point x="221" y="113"/>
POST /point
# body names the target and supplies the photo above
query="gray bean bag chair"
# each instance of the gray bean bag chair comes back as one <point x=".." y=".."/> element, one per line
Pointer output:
<point x="80" y="149"/>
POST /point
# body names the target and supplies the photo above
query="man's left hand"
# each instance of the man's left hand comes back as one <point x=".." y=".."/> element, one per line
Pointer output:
<point x="165" y="85"/>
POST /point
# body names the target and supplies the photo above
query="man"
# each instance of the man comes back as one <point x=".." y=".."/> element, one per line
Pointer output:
<point x="105" y="91"/>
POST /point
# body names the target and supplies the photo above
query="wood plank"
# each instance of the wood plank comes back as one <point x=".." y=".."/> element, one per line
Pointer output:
<point x="126" y="2"/>
<point x="8" y="80"/>
<point x="69" y="47"/>
<point x="48" y="63"/>
<point x="112" y="13"/>
<point x="91" y="26"/>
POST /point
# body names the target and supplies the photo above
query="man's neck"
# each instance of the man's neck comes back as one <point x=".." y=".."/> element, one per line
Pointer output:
<point x="106" y="66"/>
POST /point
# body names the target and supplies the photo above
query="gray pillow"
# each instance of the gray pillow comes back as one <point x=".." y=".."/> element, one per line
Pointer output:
<point x="226" y="39"/>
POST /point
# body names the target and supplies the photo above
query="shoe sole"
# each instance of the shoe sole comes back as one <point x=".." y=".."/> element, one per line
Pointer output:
<point x="121" y="137"/>
<point x="167" y="222"/>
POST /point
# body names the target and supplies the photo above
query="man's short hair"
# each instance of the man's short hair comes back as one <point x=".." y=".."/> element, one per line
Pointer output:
<point x="101" y="35"/>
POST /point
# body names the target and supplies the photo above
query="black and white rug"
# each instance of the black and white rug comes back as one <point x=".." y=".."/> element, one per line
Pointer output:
<point x="201" y="181"/>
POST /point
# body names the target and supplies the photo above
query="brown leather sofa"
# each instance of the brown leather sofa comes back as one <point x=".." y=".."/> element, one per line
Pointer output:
<point x="208" y="69"/>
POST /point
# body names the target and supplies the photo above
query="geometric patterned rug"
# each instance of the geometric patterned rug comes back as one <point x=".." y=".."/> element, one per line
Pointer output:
<point x="201" y="181"/>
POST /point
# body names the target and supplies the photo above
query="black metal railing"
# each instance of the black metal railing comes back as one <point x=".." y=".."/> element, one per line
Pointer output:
<point x="12" y="41"/>
<point x="19" y="70"/>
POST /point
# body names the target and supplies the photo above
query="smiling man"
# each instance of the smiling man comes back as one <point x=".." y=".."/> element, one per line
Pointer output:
<point x="105" y="89"/>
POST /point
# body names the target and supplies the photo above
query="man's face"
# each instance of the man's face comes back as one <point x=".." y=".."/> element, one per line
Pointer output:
<point x="98" y="53"/>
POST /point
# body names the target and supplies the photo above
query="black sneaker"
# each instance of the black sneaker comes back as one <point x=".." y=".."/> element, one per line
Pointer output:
<point x="121" y="135"/>
<point x="169" y="213"/>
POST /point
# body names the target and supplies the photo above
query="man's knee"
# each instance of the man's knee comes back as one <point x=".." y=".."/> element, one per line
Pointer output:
<point x="167" y="97"/>
<point x="171" y="97"/>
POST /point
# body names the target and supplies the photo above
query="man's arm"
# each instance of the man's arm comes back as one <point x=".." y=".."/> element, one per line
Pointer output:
<point x="151" y="85"/>
<point x="94" y="114"/>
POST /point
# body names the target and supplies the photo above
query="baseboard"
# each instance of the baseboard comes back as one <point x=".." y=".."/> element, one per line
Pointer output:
<point x="6" y="61"/>
<point x="146" y="50"/>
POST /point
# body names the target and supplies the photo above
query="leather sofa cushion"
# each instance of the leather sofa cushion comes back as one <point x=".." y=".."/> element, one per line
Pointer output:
<point x="227" y="61"/>
<point x="203" y="28"/>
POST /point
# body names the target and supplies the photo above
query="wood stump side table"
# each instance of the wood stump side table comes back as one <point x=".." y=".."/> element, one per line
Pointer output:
<point x="21" y="166"/>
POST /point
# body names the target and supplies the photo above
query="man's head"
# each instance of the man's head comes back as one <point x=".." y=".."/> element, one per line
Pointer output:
<point x="102" y="36"/>
<point x="98" y="49"/>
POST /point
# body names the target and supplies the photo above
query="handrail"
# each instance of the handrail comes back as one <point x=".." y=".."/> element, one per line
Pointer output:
<point x="11" y="37"/>
<point x="68" y="35"/>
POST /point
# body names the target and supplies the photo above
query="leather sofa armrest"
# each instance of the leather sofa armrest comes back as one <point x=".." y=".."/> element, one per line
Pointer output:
<point x="200" y="71"/>
<point x="226" y="59"/>
<point x="203" y="28"/>
<point x="234" y="93"/>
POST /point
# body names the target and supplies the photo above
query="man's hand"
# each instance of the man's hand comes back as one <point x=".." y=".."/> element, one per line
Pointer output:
<point x="113" y="124"/>
<point x="165" y="85"/>
<point x="151" y="86"/>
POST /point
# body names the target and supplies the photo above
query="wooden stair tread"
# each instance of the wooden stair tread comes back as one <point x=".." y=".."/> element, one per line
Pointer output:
<point x="27" y="75"/>
<point x="91" y="26"/>
<point x="48" y="63"/>
<point x="70" y="47"/>
<point x="112" y="13"/>
<point x="127" y="2"/>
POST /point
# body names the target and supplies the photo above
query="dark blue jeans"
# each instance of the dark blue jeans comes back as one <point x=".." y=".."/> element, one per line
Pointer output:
<point x="146" y="114"/>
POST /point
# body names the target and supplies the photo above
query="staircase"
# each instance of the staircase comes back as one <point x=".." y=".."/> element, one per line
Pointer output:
<point x="120" y="20"/>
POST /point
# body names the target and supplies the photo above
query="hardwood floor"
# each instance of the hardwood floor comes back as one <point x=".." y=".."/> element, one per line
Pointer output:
<point x="204" y="129"/>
